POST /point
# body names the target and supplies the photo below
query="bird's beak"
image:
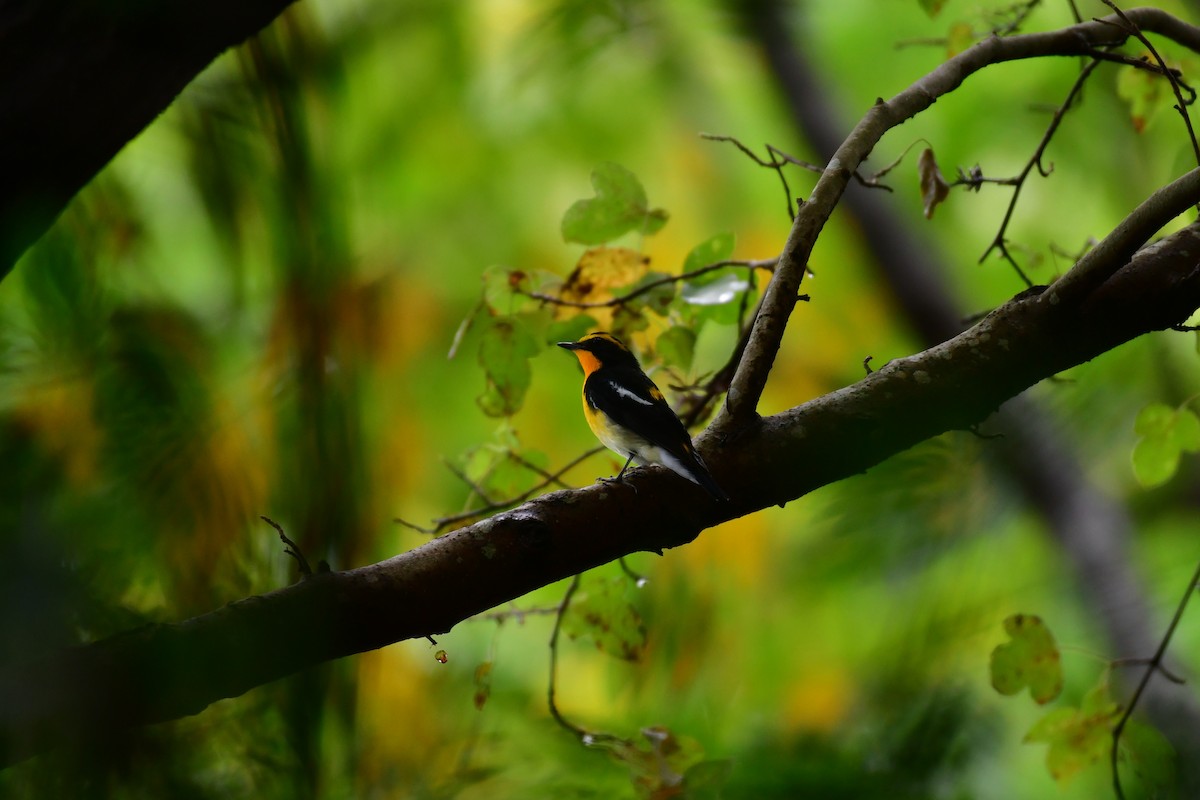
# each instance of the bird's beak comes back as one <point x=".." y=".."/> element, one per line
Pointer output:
<point x="569" y="345"/>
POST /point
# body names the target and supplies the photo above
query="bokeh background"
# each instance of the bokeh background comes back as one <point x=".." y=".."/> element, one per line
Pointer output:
<point x="251" y="311"/>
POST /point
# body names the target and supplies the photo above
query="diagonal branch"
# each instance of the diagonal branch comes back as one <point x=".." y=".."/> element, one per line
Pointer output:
<point x="1083" y="39"/>
<point x="163" y="672"/>
<point x="1099" y="263"/>
<point x="80" y="79"/>
<point x="1092" y="528"/>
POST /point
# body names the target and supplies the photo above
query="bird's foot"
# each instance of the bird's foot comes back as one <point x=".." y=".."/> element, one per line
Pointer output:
<point x="619" y="479"/>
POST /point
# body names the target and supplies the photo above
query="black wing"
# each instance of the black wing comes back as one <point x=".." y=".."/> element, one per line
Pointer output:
<point x="631" y="400"/>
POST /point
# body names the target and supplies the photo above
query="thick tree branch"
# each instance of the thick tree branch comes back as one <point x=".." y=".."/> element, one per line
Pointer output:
<point x="1092" y="528"/>
<point x="1098" y="263"/>
<point x="84" y="81"/>
<point x="162" y="672"/>
<point x="79" y="80"/>
<point x="780" y="297"/>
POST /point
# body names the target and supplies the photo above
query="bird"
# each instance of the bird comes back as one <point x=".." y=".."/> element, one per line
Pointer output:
<point x="629" y="414"/>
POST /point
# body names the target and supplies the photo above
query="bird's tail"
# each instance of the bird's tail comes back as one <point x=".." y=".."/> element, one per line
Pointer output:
<point x="690" y="465"/>
<point x="705" y="479"/>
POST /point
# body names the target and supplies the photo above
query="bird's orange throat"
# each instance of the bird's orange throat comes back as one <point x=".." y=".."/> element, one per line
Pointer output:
<point x="588" y="361"/>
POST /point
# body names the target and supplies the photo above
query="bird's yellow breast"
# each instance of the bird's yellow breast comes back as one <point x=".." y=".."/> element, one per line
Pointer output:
<point x="611" y="435"/>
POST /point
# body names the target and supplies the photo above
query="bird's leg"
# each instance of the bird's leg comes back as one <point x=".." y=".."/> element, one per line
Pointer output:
<point x="621" y="475"/>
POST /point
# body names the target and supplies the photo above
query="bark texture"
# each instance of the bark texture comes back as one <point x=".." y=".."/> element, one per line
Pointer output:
<point x="163" y="672"/>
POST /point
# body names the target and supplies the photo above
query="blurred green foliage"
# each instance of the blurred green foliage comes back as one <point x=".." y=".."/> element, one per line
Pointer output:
<point x="250" y="311"/>
<point x="1031" y="659"/>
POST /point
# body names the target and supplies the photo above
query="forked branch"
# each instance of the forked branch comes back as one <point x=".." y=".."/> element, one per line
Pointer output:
<point x="1091" y="38"/>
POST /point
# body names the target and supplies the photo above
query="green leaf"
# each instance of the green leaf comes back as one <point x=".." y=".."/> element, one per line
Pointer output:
<point x="661" y="763"/>
<point x="499" y="284"/>
<point x="494" y="466"/>
<point x="505" y="348"/>
<point x="704" y="781"/>
<point x="1186" y="433"/>
<point x="1077" y="737"/>
<point x="932" y="7"/>
<point x="676" y="346"/>
<point x="1086" y="741"/>
<point x="1154" y="420"/>
<point x="508" y="477"/>
<point x="1155" y="461"/>
<point x="1098" y="701"/>
<point x="659" y="298"/>
<point x="1149" y="756"/>
<point x="1144" y="93"/>
<point x="620" y="206"/>
<point x="711" y="251"/>
<point x="1030" y="659"/>
<point x="601" y="611"/>
<point x="656" y="218"/>
<point x="479" y="462"/>
<point x="1165" y="433"/>
<point x="1052" y="725"/>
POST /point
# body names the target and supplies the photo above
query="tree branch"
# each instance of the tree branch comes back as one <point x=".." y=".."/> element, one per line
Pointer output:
<point x="166" y="671"/>
<point x="780" y="298"/>
<point x="83" y="78"/>
<point x="1098" y="263"/>
<point x="1092" y="528"/>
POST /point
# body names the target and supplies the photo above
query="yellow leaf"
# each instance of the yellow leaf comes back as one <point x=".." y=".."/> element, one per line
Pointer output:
<point x="960" y="38"/>
<point x="602" y="269"/>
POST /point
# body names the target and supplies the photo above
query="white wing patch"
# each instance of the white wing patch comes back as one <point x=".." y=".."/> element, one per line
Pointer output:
<point x="621" y="390"/>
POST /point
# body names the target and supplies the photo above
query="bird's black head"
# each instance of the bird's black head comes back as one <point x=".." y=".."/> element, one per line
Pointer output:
<point x="601" y="349"/>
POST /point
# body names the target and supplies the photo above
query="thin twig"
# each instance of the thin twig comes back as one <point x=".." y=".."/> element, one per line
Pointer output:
<point x="1145" y="662"/>
<point x="779" y="299"/>
<point x="444" y="523"/>
<point x="1019" y="11"/>
<point x="639" y="580"/>
<point x="697" y="408"/>
<point x="519" y="614"/>
<point x="766" y="263"/>
<point x="1000" y="242"/>
<point x="772" y="164"/>
<point x="475" y="488"/>
<point x="1138" y="63"/>
<point x="779" y="159"/>
<point x="463" y="327"/>
<point x="290" y="547"/>
<point x="560" y="612"/>
<point x="1176" y="84"/>
<point x="587" y="737"/>
<point x="551" y="477"/>
<point x="1152" y="667"/>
